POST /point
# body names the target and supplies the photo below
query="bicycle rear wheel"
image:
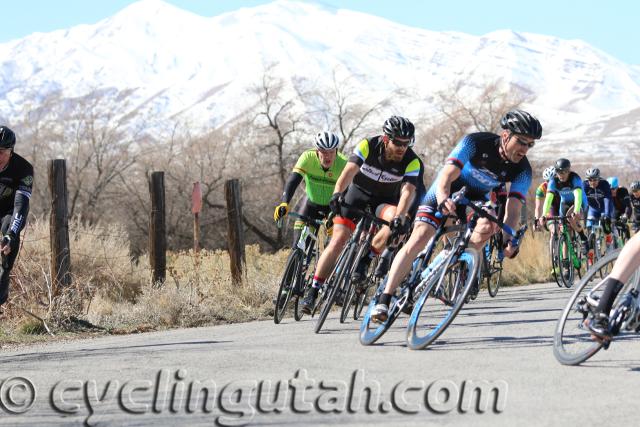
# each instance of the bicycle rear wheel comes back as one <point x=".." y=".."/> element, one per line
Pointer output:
<point x="572" y="341"/>
<point x="442" y="299"/>
<point x="287" y="284"/>
<point x="494" y="269"/>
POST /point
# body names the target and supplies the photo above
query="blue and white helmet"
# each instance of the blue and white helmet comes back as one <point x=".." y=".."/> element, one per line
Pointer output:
<point x="327" y="141"/>
<point x="548" y="173"/>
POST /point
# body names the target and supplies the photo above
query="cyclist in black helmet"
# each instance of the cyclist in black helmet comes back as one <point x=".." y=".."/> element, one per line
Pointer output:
<point x="382" y="173"/>
<point x="483" y="162"/>
<point x="16" y="180"/>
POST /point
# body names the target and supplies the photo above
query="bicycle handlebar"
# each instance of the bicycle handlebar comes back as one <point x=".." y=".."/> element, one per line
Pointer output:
<point x="459" y="198"/>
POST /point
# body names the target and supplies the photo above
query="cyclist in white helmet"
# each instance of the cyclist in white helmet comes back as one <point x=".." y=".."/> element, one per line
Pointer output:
<point x="320" y="168"/>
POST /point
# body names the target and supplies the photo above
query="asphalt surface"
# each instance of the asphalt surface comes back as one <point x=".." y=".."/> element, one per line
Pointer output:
<point x="151" y="379"/>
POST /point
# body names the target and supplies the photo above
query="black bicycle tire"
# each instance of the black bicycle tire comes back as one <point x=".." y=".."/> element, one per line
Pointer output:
<point x="558" y="348"/>
<point x="289" y="276"/>
<point x="344" y="264"/>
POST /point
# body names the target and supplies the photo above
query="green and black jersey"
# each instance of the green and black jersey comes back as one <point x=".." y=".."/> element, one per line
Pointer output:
<point x="319" y="182"/>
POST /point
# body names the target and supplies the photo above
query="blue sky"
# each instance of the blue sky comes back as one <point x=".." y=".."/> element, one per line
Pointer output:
<point x="612" y="26"/>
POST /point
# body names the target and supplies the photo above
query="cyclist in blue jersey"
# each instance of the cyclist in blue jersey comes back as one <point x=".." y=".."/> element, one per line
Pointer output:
<point x="567" y="186"/>
<point x="598" y="194"/>
<point x="482" y="162"/>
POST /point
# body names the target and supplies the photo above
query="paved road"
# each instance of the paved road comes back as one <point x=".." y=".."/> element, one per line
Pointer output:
<point x="505" y="341"/>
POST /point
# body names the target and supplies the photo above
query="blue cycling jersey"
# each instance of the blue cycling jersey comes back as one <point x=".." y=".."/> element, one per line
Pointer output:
<point x="483" y="169"/>
<point x="565" y="189"/>
<point x="599" y="198"/>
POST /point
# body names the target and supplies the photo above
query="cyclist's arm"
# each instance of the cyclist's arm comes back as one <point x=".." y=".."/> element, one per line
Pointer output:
<point x="290" y="187"/>
<point x="607" y="202"/>
<point x="540" y="195"/>
<point x="448" y="174"/>
<point x="512" y="215"/>
<point x="407" y="194"/>
<point x="346" y="177"/>
<point x="21" y="203"/>
<point x="538" y="209"/>
<point x="627" y="205"/>
<point x="548" y="201"/>
<point x="577" y="197"/>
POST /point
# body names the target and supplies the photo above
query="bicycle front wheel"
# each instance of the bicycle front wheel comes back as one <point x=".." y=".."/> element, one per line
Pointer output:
<point x="442" y="299"/>
<point x="572" y="341"/>
<point x="340" y="274"/>
<point x="287" y="284"/>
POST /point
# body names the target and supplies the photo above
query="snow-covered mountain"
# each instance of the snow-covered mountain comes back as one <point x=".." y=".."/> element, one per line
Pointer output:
<point x="183" y="64"/>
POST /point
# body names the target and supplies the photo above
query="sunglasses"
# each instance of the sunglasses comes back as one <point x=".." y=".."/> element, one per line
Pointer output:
<point x="561" y="171"/>
<point x="593" y="179"/>
<point x="401" y="143"/>
<point x="524" y="143"/>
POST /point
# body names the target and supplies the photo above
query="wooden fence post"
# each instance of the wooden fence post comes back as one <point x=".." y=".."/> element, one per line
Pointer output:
<point x="59" y="225"/>
<point x="232" y="192"/>
<point x="196" y="207"/>
<point x="157" y="229"/>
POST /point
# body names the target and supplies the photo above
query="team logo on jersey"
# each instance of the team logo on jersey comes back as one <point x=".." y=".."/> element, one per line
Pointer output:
<point x="27" y="180"/>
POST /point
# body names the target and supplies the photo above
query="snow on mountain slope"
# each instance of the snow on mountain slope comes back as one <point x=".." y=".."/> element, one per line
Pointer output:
<point x="200" y="67"/>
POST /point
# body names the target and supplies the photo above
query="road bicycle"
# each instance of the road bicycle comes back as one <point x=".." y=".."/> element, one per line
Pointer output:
<point x="573" y="343"/>
<point x="450" y="278"/>
<point x="339" y="281"/>
<point x="297" y="274"/>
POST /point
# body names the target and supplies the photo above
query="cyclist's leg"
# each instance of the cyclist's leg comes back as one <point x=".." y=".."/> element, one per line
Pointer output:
<point x="628" y="261"/>
<point x="10" y="260"/>
<point x="424" y="228"/>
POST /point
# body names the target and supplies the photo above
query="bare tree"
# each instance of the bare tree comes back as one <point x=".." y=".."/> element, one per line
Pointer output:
<point x="460" y="114"/>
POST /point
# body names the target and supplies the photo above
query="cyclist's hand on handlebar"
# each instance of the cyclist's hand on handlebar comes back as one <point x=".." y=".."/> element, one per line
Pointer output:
<point x="281" y="211"/>
<point x="511" y="251"/>
<point x="5" y="245"/>
<point x="335" y="202"/>
<point x="399" y="225"/>
<point x="448" y="207"/>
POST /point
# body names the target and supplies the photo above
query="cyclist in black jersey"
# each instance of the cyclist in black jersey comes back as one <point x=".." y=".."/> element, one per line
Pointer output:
<point x="16" y="181"/>
<point x="382" y="174"/>
<point x="483" y="162"/>
<point x="621" y="205"/>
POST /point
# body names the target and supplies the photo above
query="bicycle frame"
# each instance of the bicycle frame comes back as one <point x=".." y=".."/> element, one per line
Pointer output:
<point x="564" y="234"/>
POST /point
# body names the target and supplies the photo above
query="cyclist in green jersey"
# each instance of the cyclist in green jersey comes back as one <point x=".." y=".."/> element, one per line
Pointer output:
<point x="320" y="168"/>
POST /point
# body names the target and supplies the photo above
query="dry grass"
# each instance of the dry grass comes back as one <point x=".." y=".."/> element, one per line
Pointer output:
<point x="533" y="263"/>
<point x="112" y="292"/>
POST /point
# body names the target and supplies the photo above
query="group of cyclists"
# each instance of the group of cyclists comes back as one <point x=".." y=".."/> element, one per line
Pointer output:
<point x="593" y="201"/>
<point x="385" y="176"/>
